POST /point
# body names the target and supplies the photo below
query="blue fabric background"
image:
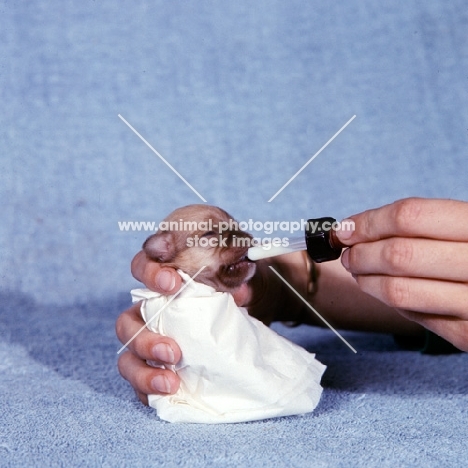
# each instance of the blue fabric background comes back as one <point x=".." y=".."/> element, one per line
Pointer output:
<point x="237" y="96"/>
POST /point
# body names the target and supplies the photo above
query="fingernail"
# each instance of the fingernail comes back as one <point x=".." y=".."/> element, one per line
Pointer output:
<point x="161" y="384"/>
<point x="165" y="280"/>
<point x="345" y="259"/>
<point x="345" y="232"/>
<point x="163" y="352"/>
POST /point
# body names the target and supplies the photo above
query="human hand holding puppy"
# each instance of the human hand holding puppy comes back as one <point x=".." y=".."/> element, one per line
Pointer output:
<point x="132" y="364"/>
<point x="225" y="268"/>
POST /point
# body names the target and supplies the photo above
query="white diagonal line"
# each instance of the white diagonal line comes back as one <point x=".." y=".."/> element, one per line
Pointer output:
<point x="162" y="308"/>
<point x="312" y="158"/>
<point x="313" y="310"/>
<point x="162" y="159"/>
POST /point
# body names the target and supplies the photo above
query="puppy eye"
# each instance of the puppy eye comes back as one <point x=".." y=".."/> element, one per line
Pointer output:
<point x="208" y="234"/>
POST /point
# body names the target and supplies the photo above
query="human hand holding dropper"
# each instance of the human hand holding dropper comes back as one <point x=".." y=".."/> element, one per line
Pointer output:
<point x="413" y="256"/>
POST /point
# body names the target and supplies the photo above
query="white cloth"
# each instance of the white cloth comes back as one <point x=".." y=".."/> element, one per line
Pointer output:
<point x="233" y="367"/>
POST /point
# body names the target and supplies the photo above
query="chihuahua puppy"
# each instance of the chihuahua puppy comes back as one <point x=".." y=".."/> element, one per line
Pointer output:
<point x="202" y="235"/>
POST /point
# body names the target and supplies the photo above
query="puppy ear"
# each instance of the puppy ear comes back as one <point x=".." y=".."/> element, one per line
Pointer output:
<point x="160" y="247"/>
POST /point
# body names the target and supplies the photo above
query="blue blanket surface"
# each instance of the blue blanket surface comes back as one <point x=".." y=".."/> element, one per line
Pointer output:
<point x="236" y="97"/>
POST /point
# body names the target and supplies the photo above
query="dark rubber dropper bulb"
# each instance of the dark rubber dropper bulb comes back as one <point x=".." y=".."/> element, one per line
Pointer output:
<point x="321" y="240"/>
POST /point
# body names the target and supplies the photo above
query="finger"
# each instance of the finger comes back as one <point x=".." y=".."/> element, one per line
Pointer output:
<point x="146" y="379"/>
<point x="155" y="276"/>
<point x="416" y="294"/>
<point x="242" y="295"/>
<point x="400" y="256"/>
<point x="411" y="217"/>
<point x="451" y="329"/>
<point x="132" y="332"/>
<point x="142" y="397"/>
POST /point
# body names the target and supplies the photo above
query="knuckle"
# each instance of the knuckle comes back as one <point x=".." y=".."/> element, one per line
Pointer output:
<point x="122" y="364"/>
<point x="407" y="212"/>
<point x="139" y="377"/>
<point x="119" y="326"/>
<point x="367" y="225"/>
<point x="139" y="346"/>
<point x="398" y="254"/>
<point x="396" y="292"/>
<point x="143" y="381"/>
<point x="354" y="257"/>
<point x="137" y="265"/>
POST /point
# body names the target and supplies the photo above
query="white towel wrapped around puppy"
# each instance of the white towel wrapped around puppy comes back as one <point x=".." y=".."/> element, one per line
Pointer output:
<point x="233" y="367"/>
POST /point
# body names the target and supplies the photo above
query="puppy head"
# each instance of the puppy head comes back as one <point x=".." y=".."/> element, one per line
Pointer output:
<point x="203" y="235"/>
